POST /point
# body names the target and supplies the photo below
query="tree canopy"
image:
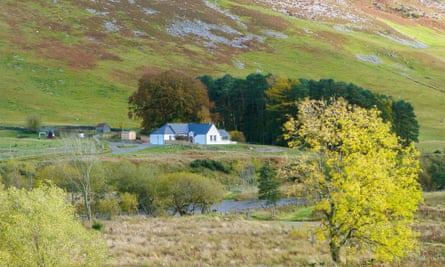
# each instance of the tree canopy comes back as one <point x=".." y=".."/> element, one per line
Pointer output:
<point x="82" y="157"/>
<point x="240" y="104"/>
<point x="363" y="181"/>
<point x="259" y="104"/>
<point x="38" y="228"/>
<point x="268" y="186"/>
<point x="185" y="192"/>
<point x="404" y="121"/>
<point x="33" y="123"/>
<point x="170" y="96"/>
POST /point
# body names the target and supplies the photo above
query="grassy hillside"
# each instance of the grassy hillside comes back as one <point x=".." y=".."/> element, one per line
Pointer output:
<point x="76" y="62"/>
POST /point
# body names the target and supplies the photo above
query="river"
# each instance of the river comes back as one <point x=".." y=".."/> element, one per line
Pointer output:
<point x="243" y="205"/>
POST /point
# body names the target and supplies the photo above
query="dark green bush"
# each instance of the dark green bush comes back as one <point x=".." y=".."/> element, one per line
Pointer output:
<point x="97" y="226"/>
<point x="432" y="177"/>
<point x="211" y="165"/>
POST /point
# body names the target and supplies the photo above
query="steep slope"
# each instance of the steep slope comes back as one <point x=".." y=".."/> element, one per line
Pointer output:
<point x="77" y="61"/>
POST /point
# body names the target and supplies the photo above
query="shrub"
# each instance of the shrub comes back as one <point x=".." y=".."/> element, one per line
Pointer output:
<point x="433" y="175"/>
<point x="109" y="206"/>
<point x="33" y="123"/>
<point x="186" y="192"/>
<point x="211" y="165"/>
<point x="97" y="226"/>
<point x="237" y="136"/>
<point x="129" y="202"/>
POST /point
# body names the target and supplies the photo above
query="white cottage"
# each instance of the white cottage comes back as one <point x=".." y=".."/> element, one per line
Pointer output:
<point x="204" y="134"/>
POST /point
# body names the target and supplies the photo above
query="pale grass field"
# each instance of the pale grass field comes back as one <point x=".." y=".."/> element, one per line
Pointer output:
<point x="232" y="240"/>
<point x="211" y="241"/>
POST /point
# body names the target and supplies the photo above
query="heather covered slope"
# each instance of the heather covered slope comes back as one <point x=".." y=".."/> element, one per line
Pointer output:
<point x="76" y="62"/>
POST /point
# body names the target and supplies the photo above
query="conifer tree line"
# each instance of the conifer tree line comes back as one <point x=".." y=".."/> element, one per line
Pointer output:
<point x="260" y="104"/>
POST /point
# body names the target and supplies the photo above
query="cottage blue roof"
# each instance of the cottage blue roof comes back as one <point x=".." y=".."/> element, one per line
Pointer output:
<point x="199" y="128"/>
<point x="183" y="128"/>
<point x="166" y="129"/>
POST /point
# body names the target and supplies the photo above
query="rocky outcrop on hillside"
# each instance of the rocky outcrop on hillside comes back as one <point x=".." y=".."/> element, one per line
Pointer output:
<point x="413" y="9"/>
<point x="316" y="10"/>
<point x="212" y="34"/>
<point x="356" y="11"/>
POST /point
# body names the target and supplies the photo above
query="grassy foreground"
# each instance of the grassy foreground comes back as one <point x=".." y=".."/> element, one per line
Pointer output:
<point x="235" y="240"/>
<point x="231" y="240"/>
<point x="210" y="241"/>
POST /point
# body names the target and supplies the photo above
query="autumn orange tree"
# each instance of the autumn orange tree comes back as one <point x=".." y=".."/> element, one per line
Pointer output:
<point x="170" y="96"/>
<point x="363" y="181"/>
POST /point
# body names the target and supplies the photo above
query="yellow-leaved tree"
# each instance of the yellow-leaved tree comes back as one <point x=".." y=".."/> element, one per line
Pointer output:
<point x="39" y="228"/>
<point x="364" y="183"/>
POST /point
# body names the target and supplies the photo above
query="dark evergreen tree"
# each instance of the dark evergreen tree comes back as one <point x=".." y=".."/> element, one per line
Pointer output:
<point x="240" y="104"/>
<point x="254" y="110"/>
<point x="404" y="122"/>
<point x="260" y="104"/>
<point x="268" y="185"/>
<point x="224" y="92"/>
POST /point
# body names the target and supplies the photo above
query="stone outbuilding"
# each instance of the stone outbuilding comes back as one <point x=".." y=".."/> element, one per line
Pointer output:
<point x="103" y="128"/>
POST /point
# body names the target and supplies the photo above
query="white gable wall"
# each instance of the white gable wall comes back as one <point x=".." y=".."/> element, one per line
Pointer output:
<point x="213" y="137"/>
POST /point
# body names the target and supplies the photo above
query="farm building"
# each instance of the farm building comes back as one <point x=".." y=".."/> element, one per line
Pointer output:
<point x="128" y="135"/>
<point x="204" y="134"/>
<point x="103" y="128"/>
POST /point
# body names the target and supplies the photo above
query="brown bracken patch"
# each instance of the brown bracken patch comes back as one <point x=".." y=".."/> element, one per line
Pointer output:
<point x="78" y="57"/>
